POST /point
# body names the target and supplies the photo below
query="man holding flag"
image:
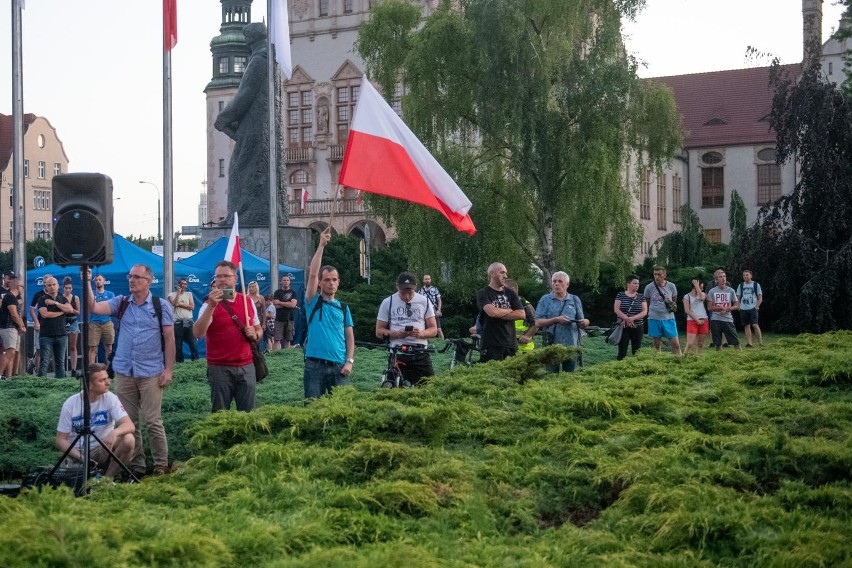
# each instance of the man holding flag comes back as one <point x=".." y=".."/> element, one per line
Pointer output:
<point x="229" y="321"/>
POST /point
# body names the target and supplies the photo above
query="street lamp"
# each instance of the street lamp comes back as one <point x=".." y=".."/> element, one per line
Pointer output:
<point x="159" y="225"/>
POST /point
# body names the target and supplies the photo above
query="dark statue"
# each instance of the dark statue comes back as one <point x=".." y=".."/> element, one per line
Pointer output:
<point x="245" y="121"/>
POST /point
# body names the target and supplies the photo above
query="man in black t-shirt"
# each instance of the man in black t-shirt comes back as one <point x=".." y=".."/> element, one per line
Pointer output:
<point x="53" y="340"/>
<point x="499" y="307"/>
<point x="33" y="366"/>
<point x="285" y="302"/>
<point x="11" y="325"/>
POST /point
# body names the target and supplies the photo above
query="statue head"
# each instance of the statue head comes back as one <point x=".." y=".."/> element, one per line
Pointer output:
<point x="255" y="32"/>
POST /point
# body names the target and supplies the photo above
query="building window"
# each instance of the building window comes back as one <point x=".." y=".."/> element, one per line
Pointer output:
<point x="221" y="168"/>
<point x="41" y="231"/>
<point x="645" y="195"/>
<point x="676" y="199"/>
<point x="323" y="7"/>
<point x="223" y="65"/>
<point x="662" y="210"/>
<point x="299" y="177"/>
<point x="41" y="170"/>
<point x="300" y="117"/>
<point x="26" y="168"/>
<point x="221" y="106"/>
<point x="347" y="6"/>
<point x="347" y="97"/>
<point x="768" y="183"/>
<point x="41" y="200"/>
<point x="713" y="236"/>
<point x="712" y="188"/>
<point x="57" y="169"/>
<point x="240" y="62"/>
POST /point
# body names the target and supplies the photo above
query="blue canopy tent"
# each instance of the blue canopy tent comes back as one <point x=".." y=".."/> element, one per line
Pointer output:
<point x="254" y="267"/>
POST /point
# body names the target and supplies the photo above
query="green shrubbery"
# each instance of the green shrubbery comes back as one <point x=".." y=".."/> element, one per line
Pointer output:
<point x="731" y="458"/>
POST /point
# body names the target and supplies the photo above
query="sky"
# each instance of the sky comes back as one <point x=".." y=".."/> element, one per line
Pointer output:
<point x="93" y="68"/>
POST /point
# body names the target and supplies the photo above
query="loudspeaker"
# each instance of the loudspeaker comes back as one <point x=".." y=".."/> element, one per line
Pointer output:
<point x="82" y="219"/>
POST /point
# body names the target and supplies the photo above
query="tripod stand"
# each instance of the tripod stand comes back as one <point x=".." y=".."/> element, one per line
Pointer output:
<point x="86" y="433"/>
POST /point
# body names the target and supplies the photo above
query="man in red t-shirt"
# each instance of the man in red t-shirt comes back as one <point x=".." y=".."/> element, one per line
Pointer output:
<point x="230" y="367"/>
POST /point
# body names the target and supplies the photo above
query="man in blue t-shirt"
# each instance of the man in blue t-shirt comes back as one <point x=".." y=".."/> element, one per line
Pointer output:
<point x="330" y="349"/>
<point x="101" y="329"/>
<point x="751" y="296"/>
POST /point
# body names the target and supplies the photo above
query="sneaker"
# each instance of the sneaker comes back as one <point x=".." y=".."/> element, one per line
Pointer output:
<point x="749" y="345"/>
<point x="162" y="470"/>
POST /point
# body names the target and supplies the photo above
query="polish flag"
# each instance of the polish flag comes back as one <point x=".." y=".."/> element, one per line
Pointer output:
<point x="233" y="253"/>
<point x="169" y="24"/>
<point x="279" y="24"/>
<point x="304" y="200"/>
<point x="383" y="156"/>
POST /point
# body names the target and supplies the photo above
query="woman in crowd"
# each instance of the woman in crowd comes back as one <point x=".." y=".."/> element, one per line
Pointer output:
<point x="72" y="323"/>
<point x="697" y="322"/>
<point x="259" y="306"/>
<point x="630" y="308"/>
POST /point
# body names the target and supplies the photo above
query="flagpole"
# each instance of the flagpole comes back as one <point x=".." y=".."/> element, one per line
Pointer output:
<point x="243" y="286"/>
<point x="273" y="151"/>
<point x="168" y="229"/>
<point x="18" y="190"/>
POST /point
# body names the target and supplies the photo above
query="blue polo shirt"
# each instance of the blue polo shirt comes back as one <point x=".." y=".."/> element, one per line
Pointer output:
<point x="138" y="350"/>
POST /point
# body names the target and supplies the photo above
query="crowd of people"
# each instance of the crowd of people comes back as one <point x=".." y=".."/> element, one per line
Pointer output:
<point x="149" y="334"/>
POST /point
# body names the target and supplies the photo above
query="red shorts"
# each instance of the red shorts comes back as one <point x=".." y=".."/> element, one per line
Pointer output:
<point x="693" y="328"/>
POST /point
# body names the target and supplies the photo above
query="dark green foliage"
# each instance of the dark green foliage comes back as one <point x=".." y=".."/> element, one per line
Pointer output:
<point x="38" y="247"/>
<point x="801" y="247"/>
<point x="727" y="459"/>
<point x="686" y="247"/>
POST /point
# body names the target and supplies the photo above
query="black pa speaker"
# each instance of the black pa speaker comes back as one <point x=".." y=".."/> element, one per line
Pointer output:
<point x="82" y="219"/>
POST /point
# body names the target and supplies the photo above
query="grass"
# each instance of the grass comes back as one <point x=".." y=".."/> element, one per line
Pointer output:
<point x="726" y="459"/>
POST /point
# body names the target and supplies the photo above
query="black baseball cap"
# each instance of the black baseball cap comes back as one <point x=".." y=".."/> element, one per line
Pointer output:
<point x="406" y="280"/>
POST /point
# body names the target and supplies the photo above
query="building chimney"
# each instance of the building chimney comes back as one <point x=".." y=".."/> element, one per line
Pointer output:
<point x="811" y="29"/>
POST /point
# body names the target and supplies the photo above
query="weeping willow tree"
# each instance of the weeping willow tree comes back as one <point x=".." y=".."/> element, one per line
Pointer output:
<point x="535" y="110"/>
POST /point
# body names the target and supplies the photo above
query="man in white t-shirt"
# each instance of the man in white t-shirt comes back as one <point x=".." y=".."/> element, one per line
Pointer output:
<point x="109" y="422"/>
<point x="751" y="296"/>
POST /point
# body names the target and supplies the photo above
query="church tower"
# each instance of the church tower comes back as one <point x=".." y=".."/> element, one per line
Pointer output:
<point x="230" y="57"/>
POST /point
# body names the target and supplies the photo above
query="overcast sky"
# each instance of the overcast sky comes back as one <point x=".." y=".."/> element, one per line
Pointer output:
<point x="93" y="68"/>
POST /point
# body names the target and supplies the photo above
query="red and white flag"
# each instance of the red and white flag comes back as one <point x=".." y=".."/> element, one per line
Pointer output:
<point x="169" y="24"/>
<point x="383" y="156"/>
<point x="233" y="253"/>
<point x="279" y="33"/>
<point x="304" y="200"/>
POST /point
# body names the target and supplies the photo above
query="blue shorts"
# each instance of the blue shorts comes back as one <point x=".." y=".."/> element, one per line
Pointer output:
<point x="662" y="328"/>
<point x="72" y="327"/>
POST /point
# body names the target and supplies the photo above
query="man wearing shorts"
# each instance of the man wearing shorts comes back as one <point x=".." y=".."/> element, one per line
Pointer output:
<point x="11" y="324"/>
<point x="100" y="327"/>
<point x="285" y="303"/>
<point x="721" y="301"/>
<point x="660" y="294"/>
<point x="750" y="296"/>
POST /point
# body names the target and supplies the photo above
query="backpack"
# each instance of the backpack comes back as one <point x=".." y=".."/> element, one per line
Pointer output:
<point x="318" y="308"/>
<point x="158" y="309"/>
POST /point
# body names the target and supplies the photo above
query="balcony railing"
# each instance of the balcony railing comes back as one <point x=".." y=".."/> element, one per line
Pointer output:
<point x="322" y="207"/>
<point x="296" y="154"/>
<point x="336" y="152"/>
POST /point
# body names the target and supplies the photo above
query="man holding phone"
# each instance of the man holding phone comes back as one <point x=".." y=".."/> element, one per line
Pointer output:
<point x="408" y="318"/>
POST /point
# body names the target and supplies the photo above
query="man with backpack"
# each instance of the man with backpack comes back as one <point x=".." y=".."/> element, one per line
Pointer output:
<point x="143" y="362"/>
<point x="330" y="342"/>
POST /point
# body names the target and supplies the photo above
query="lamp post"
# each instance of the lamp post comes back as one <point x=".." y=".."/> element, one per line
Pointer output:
<point x="159" y="224"/>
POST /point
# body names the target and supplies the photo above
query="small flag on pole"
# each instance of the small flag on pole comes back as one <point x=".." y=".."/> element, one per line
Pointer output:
<point x="169" y="24"/>
<point x="233" y="253"/>
<point x="304" y="200"/>
<point x="279" y="22"/>
<point x="384" y="156"/>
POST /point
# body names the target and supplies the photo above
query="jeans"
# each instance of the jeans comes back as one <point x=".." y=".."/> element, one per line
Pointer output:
<point x="56" y="347"/>
<point x="183" y="332"/>
<point x="566" y="366"/>
<point x="322" y="376"/>
<point x="144" y="396"/>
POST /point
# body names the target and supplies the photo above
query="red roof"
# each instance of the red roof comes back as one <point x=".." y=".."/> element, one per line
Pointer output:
<point x="725" y="108"/>
<point x="7" y="137"/>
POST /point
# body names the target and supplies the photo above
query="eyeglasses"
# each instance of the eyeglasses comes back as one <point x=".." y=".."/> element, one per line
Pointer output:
<point x="137" y="277"/>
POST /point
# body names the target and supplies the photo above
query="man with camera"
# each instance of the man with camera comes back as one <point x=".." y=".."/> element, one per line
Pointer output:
<point x="560" y="315"/>
<point x="143" y="362"/>
<point x="229" y="321"/>
<point x="408" y="318"/>
<point x="109" y="422"/>
<point x="661" y="296"/>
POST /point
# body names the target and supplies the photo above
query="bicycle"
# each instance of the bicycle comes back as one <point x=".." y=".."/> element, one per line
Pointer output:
<point x="391" y="377"/>
<point x="464" y="350"/>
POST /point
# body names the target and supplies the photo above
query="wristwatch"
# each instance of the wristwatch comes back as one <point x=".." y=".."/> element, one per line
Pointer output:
<point x="351" y="360"/>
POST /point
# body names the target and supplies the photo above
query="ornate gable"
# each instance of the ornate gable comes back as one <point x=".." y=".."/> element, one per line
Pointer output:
<point x="347" y="71"/>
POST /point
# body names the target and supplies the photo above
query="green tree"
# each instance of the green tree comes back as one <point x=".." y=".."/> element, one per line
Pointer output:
<point x="687" y="247"/>
<point x="802" y="246"/>
<point x="535" y="110"/>
<point x="38" y="247"/>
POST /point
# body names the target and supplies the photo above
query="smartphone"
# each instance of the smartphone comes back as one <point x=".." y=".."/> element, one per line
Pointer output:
<point x="227" y="293"/>
<point x="409" y="328"/>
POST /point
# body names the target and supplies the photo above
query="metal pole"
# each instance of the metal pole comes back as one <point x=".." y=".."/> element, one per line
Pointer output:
<point x="19" y="218"/>
<point x="168" y="245"/>
<point x="273" y="154"/>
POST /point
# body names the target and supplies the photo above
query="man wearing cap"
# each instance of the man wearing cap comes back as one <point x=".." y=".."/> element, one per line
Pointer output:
<point x="408" y="318"/>
<point x="12" y="326"/>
